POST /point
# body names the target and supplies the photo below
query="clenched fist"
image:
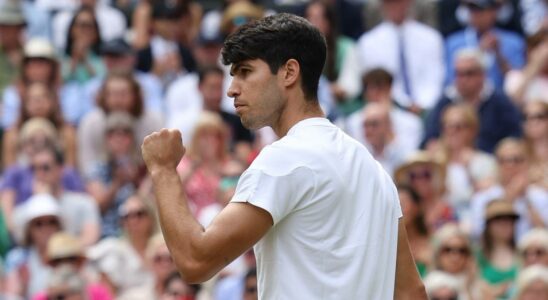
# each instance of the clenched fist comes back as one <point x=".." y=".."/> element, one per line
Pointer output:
<point x="163" y="149"/>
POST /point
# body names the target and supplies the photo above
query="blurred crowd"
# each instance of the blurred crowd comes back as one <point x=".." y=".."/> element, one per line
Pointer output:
<point x="450" y="96"/>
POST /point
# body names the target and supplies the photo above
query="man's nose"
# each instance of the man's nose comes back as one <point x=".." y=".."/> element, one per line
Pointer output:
<point x="233" y="89"/>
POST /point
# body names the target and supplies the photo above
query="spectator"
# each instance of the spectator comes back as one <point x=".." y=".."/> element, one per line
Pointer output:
<point x="82" y="61"/>
<point x="12" y="24"/>
<point x="121" y="260"/>
<point x="415" y="225"/>
<point x="514" y="185"/>
<point x="536" y="139"/>
<point x="417" y="68"/>
<point x="532" y="284"/>
<point x="503" y="50"/>
<point x="497" y="260"/>
<point x="442" y="286"/>
<point x="497" y="115"/>
<point x="65" y="252"/>
<point x="407" y="127"/>
<point x="120" y="92"/>
<point x="44" y="173"/>
<point x="110" y="21"/>
<point x="66" y="283"/>
<point x="533" y="247"/>
<point x="201" y="169"/>
<point x="114" y="178"/>
<point x="238" y="13"/>
<point x="427" y="177"/>
<point x="160" y="262"/>
<point x="26" y="266"/>
<point x="165" y="56"/>
<point x="40" y="101"/>
<point x="469" y="170"/>
<point x="453" y="255"/>
<point x="531" y="82"/>
<point x="176" y="289"/>
<point x="250" y="285"/>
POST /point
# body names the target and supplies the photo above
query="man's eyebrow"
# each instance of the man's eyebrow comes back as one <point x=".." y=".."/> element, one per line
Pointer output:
<point x="237" y="66"/>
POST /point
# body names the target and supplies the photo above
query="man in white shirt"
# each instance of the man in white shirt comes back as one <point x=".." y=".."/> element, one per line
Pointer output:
<point x="323" y="214"/>
<point x="411" y="51"/>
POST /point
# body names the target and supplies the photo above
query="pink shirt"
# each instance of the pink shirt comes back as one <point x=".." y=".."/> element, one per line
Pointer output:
<point x="94" y="292"/>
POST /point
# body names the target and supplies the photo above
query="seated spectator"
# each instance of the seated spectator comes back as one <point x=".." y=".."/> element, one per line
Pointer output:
<point x="160" y="262"/>
<point x="427" y="177"/>
<point x="45" y="173"/>
<point x="407" y="127"/>
<point x="503" y="50"/>
<point x="115" y="177"/>
<point x="165" y="56"/>
<point x="111" y="23"/>
<point x="497" y="258"/>
<point x="66" y="283"/>
<point x="531" y="82"/>
<point x="417" y="233"/>
<point x="121" y="261"/>
<point x="533" y="248"/>
<point x="40" y="101"/>
<point x="82" y="61"/>
<point x="453" y="255"/>
<point x="26" y="265"/>
<point x="469" y="170"/>
<point x="175" y="288"/>
<point x="12" y="26"/>
<point x="536" y="139"/>
<point x="418" y="68"/>
<point x="498" y="117"/>
<point x="440" y="285"/>
<point x="532" y="284"/>
<point x="120" y="93"/>
<point x="118" y="56"/>
<point x="515" y="186"/>
<point x="66" y="252"/>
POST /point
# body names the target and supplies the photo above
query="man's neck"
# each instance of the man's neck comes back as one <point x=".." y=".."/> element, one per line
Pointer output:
<point x="293" y="114"/>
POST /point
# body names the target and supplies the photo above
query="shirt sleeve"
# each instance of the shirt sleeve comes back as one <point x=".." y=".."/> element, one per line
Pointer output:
<point x="278" y="194"/>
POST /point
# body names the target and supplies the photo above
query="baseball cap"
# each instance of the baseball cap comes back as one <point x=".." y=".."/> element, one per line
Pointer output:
<point x="11" y="13"/>
<point x="116" y="47"/>
<point x="482" y="4"/>
<point x="39" y="48"/>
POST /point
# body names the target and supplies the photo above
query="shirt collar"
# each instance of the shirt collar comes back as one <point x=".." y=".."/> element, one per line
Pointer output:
<point x="317" y="121"/>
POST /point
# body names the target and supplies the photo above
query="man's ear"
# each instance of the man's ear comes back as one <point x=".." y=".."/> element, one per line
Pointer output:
<point x="291" y="71"/>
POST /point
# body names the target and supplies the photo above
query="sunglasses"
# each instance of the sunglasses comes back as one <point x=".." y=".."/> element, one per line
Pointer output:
<point x="45" y="223"/>
<point x="163" y="258"/>
<point x="65" y="260"/>
<point x="467" y="73"/>
<point x="417" y="175"/>
<point x="536" y="117"/>
<point x="138" y="214"/>
<point x="455" y="250"/>
<point x="41" y="167"/>
<point x="534" y="252"/>
<point x="457" y="126"/>
<point x="372" y="123"/>
<point x="84" y="24"/>
<point x="511" y="160"/>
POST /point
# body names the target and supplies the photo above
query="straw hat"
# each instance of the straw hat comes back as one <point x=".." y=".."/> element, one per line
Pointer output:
<point x="500" y="208"/>
<point x="39" y="48"/>
<point x="63" y="245"/>
<point x="418" y="158"/>
<point x="245" y="10"/>
<point x="11" y="13"/>
<point x="36" y="206"/>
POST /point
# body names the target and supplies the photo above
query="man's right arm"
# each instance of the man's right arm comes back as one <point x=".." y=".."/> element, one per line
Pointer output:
<point x="408" y="283"/>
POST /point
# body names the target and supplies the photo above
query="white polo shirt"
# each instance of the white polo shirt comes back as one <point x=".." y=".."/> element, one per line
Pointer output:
<point x="335" y="213"/>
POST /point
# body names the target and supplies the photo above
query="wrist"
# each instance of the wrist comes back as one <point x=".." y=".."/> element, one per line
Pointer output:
<point x="161" y="171"/>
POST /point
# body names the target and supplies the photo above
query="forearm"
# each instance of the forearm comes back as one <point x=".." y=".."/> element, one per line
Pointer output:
<point x="182" y="232"/>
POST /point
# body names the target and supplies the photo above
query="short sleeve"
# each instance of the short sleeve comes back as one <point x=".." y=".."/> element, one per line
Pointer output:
<point x="279" y="194"/>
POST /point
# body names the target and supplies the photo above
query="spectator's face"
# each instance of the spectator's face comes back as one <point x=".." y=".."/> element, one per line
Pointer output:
<point x="42" y="228"/>
<point x="536" y="120"/>
<point x="377" y="92"/>
<point x="395" y="10"/>
<point x="501" y="228"/>
<point x="250" y="289"/>
<point x="178" y="290"/>
<point x="119" y="95"/>
<point x="315" y="14"/>
<point x="38" y="101"/>
<point x="512" y="160"/>
<point x="483" y="19"/>
<point x="38" y="69"/>
<point x="45" y="169"/>
<point x="377" y="127"/>
<point x="11" y="36"/>
<point x="136" y="219"/>
<point x="535" y="254"/>
<point x="454" y="255"/>
<point x="421" y="179"/>
<point x="162" y="263"/>
<point x="457" y="131"/>
<point x="537" y="290"/>
<point x="208" y="54"/>
<point x="120" y="141"/>
<point x="444" y="293"/>
<point x="211" y="89"/>
<point x="210" y="141"/>
<point x="123" y="63"/>
<point x="84" y="28"/>
<point x="469" y="77"/>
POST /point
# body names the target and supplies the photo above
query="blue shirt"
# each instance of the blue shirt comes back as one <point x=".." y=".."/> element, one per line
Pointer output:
<point x="511" y="45"/>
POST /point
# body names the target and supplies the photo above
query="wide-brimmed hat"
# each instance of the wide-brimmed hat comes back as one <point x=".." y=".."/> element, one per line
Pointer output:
<point x="39" y="48"/>
<point x="418" y="158"/>
<point x="63" y="245"/>
<point x="11" y="13"/>
<point x="240" y="13"/>
<point x="39" y="205"/>
<point x="500" y="208"/>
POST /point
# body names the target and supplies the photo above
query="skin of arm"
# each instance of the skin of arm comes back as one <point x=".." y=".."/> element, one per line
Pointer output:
<point x="198" y="252"/>
<point x="408" y="282"/>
